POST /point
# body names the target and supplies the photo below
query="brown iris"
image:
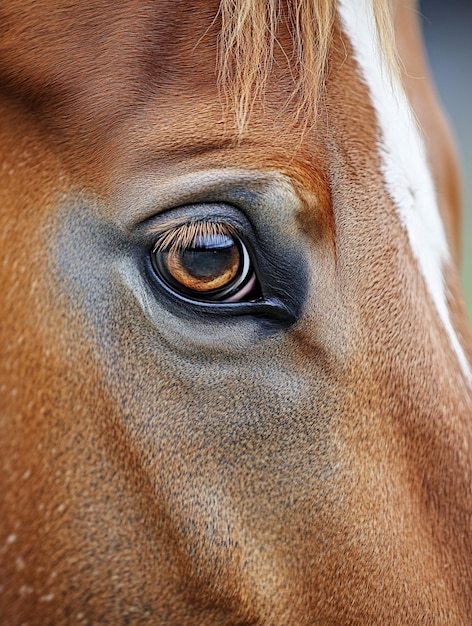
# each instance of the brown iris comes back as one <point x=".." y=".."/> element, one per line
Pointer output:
<point x="203" y="260"/>
<point x="211" y="264"/>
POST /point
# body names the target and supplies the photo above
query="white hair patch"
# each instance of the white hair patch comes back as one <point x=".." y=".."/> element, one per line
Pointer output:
<point x="404" y="166"/>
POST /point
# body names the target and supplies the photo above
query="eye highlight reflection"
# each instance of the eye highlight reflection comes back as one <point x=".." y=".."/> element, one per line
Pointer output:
<point x="205" y="261"/>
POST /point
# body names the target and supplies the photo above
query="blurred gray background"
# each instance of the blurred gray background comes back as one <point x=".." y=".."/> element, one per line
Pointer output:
<point x="447" y="28"/>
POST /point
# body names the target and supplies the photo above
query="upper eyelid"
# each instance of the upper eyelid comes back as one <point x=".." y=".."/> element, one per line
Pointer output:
<point x="222" y="212"/>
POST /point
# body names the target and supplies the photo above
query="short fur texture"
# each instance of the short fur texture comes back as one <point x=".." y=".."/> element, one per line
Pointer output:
<point x="161" y="462"/>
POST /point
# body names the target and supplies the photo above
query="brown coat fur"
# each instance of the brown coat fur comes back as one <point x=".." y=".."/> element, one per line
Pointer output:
<point x="159" y="468"/>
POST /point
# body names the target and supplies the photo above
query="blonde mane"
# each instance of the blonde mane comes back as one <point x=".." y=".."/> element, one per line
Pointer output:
<point x="249" y="35"/>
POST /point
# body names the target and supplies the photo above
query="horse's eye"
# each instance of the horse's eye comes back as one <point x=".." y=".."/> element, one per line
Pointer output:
<point x="205" y="261"/>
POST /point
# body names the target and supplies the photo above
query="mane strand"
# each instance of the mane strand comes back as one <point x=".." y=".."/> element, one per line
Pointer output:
<point x="246" y="49"/>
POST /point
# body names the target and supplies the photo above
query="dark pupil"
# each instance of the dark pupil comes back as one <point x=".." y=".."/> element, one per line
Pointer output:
<point x="210" y="260"/>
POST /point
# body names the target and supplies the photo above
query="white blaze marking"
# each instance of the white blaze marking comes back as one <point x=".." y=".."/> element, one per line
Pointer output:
<point x="404" y="166"/>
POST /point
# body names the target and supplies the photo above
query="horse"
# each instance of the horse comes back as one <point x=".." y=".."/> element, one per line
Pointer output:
<point x="236" y="381"/>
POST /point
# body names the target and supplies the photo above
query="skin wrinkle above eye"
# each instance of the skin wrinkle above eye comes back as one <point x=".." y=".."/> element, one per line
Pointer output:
<point x="137" y="200"/>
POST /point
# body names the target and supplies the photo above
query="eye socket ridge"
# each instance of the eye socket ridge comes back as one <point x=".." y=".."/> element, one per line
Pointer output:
<point x="205" y="260"/>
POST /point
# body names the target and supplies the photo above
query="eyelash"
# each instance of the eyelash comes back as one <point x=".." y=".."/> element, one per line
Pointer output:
<point x="183" y="236"/>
